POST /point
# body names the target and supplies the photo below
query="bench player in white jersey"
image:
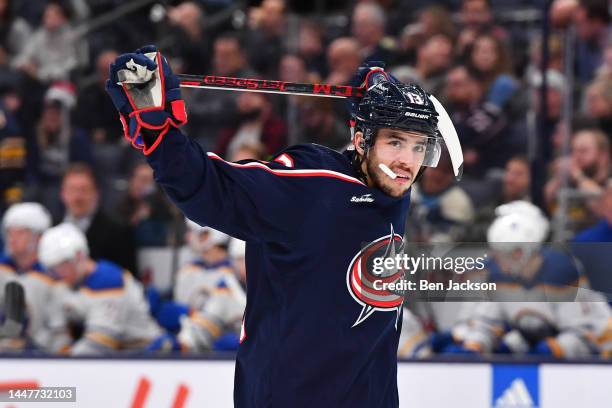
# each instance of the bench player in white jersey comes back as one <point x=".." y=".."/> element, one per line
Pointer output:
<point x="22" y="226"/>
<point x="210" y="268"/>
<point x="102" y="296"/>
<point x="543" y="305"/>
<point x="209" y="300"/>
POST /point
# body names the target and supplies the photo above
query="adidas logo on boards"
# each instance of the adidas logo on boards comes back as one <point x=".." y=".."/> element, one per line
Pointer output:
<point x="515" y="396"/>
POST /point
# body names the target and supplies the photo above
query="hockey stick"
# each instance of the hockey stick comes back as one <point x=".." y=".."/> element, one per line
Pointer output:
<point x="14" y="310"/>
<point x="268" y="86"/>
<point x="447" y="129"/>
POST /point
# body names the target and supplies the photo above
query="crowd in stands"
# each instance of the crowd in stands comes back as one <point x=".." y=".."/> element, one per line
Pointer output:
<point x="62" y="145"/>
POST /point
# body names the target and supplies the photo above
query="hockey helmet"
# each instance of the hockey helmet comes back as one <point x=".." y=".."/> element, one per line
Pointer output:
<point x="61" y="243"/>
<point x="214" y="237"/>
<point x="519" y="225"/>
<point x="407" y="107"/>
<point x="32" y="216"/>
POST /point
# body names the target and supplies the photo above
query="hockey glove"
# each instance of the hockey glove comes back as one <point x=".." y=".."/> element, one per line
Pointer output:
<point x="147" y="95"/>
<point x="367" y="75"/>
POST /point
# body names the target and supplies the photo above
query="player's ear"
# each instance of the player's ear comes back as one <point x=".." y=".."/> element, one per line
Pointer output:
<point x="359" y="142"/>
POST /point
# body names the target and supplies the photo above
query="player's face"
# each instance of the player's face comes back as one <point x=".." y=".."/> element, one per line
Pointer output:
<point x="20" y="241"/>
<point x="403" y="152"/>
<point x="67" y="271"/>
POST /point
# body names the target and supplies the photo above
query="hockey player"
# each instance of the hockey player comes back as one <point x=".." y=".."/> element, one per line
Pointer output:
<point x="315" y="332"/>
<point x="100" y="295"/>
<point x="540" y="308"/>
<point x="208" y="299"/>
<point x="22" y="226"/>
<point x="213" y="326"/>
<point x="210" y="268"/>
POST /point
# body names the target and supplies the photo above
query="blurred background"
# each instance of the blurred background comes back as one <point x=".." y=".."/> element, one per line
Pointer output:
<point x="528" y="85"/>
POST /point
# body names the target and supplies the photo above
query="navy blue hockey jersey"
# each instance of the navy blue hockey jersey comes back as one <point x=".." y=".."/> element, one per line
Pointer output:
<point x="316" y="332"/>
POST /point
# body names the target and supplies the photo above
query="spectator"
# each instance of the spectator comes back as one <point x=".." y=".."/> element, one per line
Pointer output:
<point x="490" y="59"/>
<point x="13" y="152"/>
<point x="51" y="53"/>
<point x="312" y="49"/>
<point x="57" y="144"/>
<point x="517" y="180"/>
<point x="211" y="111"/>
<point x="256" y="124"/>
<point x="94" y="110"/>
<point x="602" y="231"/>
<point x="189" y="43"/>
<point x="592" y="22"/>
<point x="14" y="32"/>
<point x="605" y="69"/>
<point x="587" y="170"/>
<point x="555" y="60"/>
<point x="292" y="68"/>
<point x="320" y="125"/>
<point x="434" y="57"/>
<point x="145" y="209"/>
<point x="431" y="21"/>
<point x="555" y="94"/>
<point x="342" y="59"/>
<point x="266" y="36"/>
<point x="107" y="239"/>
<point x="368" y="28"/>
<point x="487" y="138"/>
<point x="443" y="211"/>
<point x="598" y="104"/>
<point x="562" y="12"/>
<point x="476" y="17"/>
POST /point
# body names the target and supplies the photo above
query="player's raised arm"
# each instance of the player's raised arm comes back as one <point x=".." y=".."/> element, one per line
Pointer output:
<point x="248" y="201"/>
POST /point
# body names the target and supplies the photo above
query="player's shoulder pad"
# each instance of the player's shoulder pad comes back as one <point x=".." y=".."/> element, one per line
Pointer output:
<point x="106" y="276"/>
<point x="7" y="264"/>
<point x="44" y="277"/>
<point x="558" y="268"/>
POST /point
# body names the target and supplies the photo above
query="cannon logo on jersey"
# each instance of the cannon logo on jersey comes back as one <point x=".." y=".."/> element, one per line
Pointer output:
<point x="360" y="278"/>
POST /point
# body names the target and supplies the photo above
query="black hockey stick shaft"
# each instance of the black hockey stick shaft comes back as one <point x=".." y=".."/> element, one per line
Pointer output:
<point x="14" y="310"/>
<point x="268" y="86"/>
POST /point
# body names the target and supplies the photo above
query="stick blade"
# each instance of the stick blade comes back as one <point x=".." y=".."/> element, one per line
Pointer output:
<point x="451" y="139"/>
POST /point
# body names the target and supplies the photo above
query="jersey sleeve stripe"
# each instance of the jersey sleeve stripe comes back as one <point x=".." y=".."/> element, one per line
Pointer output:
<point x="291" y="173"/>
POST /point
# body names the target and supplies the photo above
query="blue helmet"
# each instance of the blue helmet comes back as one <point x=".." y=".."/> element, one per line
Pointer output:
<point x="395" y="105"/>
